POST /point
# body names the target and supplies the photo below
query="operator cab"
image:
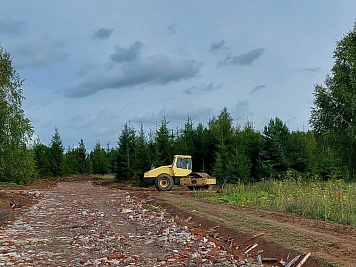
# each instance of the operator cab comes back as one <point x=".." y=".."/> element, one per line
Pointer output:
<point x="182" y="165"/>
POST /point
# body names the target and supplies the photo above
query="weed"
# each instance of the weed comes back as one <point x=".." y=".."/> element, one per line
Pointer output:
<point x="331" y="201"/>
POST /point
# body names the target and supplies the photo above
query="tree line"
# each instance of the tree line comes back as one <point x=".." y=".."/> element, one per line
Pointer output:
<point x="230" y="153"/>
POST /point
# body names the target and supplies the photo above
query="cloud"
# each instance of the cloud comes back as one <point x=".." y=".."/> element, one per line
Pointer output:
<point x="215" y="47"/>
<point x="257" y="88"/>
<point x="311" y="71"/>
<point x="11" y="27"/>
<point x="241" y="111"/>
<point x="203" y="88"/>
<point x="157" y="69"/>
<point x="243" y="59"/>
<point x="172" y="29"/>
<point x="39" y="53"/>
<point x="103" y="33"/>
<point x="127" y="54"/>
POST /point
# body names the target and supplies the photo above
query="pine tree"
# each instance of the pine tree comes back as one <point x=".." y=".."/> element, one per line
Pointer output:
<point x="274" y="149"/>
<point x="249" y="141"/>
<point x="125" y="154"/>
<point x="56" y="155"/>
<point x="99" y="159"/>
<point x="142" y="158"/>
<point x="83" y="166"/>
<point x="164" y="144"/>
<point x="41" y="154"/>
<point x="222" y="131"/>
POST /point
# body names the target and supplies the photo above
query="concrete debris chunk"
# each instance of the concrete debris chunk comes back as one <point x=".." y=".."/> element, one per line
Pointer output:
<point x="78" y="224"/>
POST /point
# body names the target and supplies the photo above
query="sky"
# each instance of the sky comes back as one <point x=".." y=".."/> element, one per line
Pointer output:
<point x="89" y="66"/>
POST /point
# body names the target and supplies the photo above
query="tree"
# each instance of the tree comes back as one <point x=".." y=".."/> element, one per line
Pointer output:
<point x="99" y="160"/>
<point x="56" y="155"/>
<point x="125" y="154"/>
<point x="69" y="162"/>
<point x="16" y="160"/>
<point x="274" y="148"/>
<point x="141" y="156"/>
<point x="41" y="155"/>
<point x="112" y="158"/>
<point x="243" y="163"/>
<point x="83" y="163"/>
<point x="204" y="147"/>
<point x="164" y="144"/>
<point x="222" y="132"/>
<point x="335" y="103"/>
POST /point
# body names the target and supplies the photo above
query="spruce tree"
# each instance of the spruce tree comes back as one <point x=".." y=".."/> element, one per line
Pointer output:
<point x="56" y="155"/>
<point x="99" y="159"/>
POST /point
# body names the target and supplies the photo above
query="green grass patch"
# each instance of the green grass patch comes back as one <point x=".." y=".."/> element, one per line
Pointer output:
<point x="331" y="201"/>
<point x="10" y="185"/>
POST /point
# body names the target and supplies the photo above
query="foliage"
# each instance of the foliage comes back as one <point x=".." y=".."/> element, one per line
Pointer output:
<point x="99" y="159"/>
<point x="16" y="160"/>
<point x="42" y="155"/>
<point x="230" y="153"/>
<point x="274" y="148"/>
<point x="331" y="201"/>
<point x="76" y="160"/>
<point x="163" y="144"/>
<point x="125" y="154"/>
<point x="222" y="132"/>
<point x="141" y="157"/>
<point x="56" y="150"/>
<point x="333" y="117"/>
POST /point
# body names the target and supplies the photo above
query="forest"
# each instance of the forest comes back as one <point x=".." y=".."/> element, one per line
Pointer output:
<point x="232" y="153"/>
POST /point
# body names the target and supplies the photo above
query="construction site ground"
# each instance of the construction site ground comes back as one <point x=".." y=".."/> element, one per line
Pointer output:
<point x="75" y="222"/>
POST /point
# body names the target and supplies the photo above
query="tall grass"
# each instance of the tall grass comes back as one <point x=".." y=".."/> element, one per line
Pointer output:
<point x="331" y="201"/>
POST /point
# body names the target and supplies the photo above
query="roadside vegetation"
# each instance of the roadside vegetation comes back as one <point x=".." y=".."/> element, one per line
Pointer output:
<point x="238" y="155"/>
<point x="331" y="201"/>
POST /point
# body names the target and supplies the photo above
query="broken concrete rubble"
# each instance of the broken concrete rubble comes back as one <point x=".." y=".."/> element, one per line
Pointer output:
<point x="78" y="224"/>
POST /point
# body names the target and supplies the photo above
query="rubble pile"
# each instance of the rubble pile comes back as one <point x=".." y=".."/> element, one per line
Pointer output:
<point x="78" y="224"/>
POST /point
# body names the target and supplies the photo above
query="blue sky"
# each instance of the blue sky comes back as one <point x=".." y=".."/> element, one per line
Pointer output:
<point x="91" y="66"/>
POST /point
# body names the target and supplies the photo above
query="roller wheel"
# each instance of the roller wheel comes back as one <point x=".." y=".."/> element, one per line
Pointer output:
<point x="164" y="182"/>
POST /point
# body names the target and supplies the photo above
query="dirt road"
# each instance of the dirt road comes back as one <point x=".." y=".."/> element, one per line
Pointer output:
<point x="79" y="224"/>
<point x="282" y="233"/>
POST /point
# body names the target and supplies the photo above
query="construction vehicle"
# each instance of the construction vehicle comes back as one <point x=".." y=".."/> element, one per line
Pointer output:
<point x="179" y="173"/>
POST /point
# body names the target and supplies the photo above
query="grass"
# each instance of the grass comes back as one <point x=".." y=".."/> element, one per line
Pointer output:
<point x="331" y="201"/>
<point x="10" y="185"/>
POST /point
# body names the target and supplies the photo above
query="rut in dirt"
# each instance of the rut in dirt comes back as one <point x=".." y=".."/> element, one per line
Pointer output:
<point x="283" y="234"/>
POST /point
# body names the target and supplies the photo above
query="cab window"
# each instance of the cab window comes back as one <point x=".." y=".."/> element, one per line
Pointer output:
<point x="182" y="163"/>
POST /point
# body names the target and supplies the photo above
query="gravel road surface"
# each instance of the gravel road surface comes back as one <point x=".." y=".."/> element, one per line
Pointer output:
<point x="79" y="224"/>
